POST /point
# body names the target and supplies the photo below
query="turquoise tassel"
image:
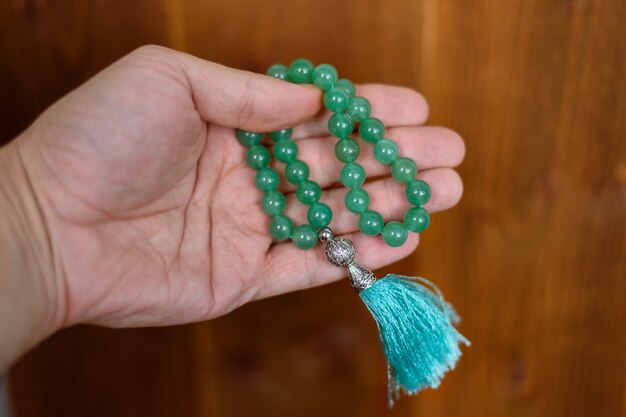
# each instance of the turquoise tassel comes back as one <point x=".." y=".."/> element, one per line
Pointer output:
<point x="415" y="330"/>
<point x="415" y="324"/>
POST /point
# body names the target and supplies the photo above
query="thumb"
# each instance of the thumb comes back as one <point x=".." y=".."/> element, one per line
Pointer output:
<point x="242" y="99"/>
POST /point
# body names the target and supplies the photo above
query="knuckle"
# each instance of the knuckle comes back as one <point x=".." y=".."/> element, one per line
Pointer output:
<point x="154" y="59"/>
<point x="246" y="106"/>
<point x="150" y="51"/>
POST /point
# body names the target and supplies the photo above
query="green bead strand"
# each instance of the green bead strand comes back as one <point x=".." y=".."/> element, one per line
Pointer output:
<point x="324" y="76"/>
<point x="248" y="139"/>
<point x="301" y="71"/>
<point x="273" y="203"/>
<point x="281" y="134"/>
<point x="417" y="192"/>
<point x="340" y="125"/>
<point x="358" y="109"/>
<point x="395" y="234"/>
<point x="280" y="227"/>
<point x="385" y="151"/>
<point x="371" y="130"/>
<point x="308" y="192"/>
<point x="278" y="71"/>
<point x="357" y="200"/>
<point x="347" y="150"/>
<point x="258" y="157"/>
<point x="403" y="170"/>
<point x="285" y="150"/>
<point x="346" y="85"/>
<point x="267" y="179"/>
<point x="336" y="99"/>
<point x="304" y="236"/>
<point x="371" y="223"/>
<point x="296" y="171"/>
<point x="416" y="219"/>
<point x="352" y="175"/>
<point x="339" y="97"/>
<point x="319" y="215"/>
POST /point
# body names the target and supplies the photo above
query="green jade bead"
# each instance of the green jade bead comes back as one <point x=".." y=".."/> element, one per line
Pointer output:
<point x="336" y="99"/>
<point x="285" y="150"/>
<point x="385" y="151"/>
<point x="296" y="171"/>
<point x="340" y="125"/>
<point x="417" y="192"/>
<point x="258" y="157"/>
<point x="278" y="71"/>
<point x="347" y="150"/>
<point x="416" y="219"/>
<point x="249" y="139"/>
<point x="301" y="71"/>
<point x="403" y="170"/>
<point x="352" y="175"/>
<point x="267" y="179"/>
<point x="357" y="200"/>
<point x="308" y="192"/>
<point x="281" y="134"/>
<point x="371" y="130"/>
<point x="358" y="109"/>
<point x="304" y="236"/>
<point x="395" y="234"/>
<point x="346" y="85"/>
<point x="273" y="203"/>
<point x="371" y="223"/>
<point x="324" y="76"/>
<point x="319" y="215"/>
<point x="280" y="227"/>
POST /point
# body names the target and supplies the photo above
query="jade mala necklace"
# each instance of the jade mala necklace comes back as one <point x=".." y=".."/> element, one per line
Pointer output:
<point x="415" y="324"/>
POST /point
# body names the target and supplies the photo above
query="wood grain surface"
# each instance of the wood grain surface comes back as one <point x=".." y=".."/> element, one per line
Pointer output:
<point x="533" y="257"/>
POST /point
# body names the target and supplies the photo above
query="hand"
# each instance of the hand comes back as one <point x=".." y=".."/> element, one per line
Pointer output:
<point x="151" y="213"/>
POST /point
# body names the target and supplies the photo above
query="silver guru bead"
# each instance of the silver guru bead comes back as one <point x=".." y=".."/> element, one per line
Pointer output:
<point x="340" y="251"/>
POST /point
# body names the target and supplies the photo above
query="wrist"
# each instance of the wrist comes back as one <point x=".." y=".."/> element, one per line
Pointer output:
<point x="31" y="296"/>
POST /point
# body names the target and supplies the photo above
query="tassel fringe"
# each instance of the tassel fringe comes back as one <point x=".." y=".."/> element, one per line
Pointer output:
<point x="415" y="327"/>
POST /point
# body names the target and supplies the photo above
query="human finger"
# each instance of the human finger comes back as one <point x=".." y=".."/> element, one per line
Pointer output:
<point x="386" y="197"/>
<point x="395" y="106"/>
<point x="291" y="269"/>
<point x="430" y="147"/>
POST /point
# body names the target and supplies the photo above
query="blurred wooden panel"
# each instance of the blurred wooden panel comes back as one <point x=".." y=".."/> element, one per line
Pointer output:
<point x="538" y="89"/>
<point x="533" y="258"/>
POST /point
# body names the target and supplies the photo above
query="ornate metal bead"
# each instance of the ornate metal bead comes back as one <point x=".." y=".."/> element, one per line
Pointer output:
<point x="360" y="278"/>
<point x="340" y="251"/>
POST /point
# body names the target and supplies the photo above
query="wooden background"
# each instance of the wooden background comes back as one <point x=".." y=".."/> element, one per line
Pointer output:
<point x="533" y="258"/>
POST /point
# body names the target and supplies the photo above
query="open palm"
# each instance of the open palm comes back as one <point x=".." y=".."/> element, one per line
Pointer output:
<point x="152" y="211"/>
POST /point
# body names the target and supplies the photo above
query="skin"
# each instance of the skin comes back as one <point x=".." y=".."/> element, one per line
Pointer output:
<point x="128" y="202"/>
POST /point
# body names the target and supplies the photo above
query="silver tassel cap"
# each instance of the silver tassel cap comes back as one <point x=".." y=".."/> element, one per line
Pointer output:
<point x="340" y="252"/>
